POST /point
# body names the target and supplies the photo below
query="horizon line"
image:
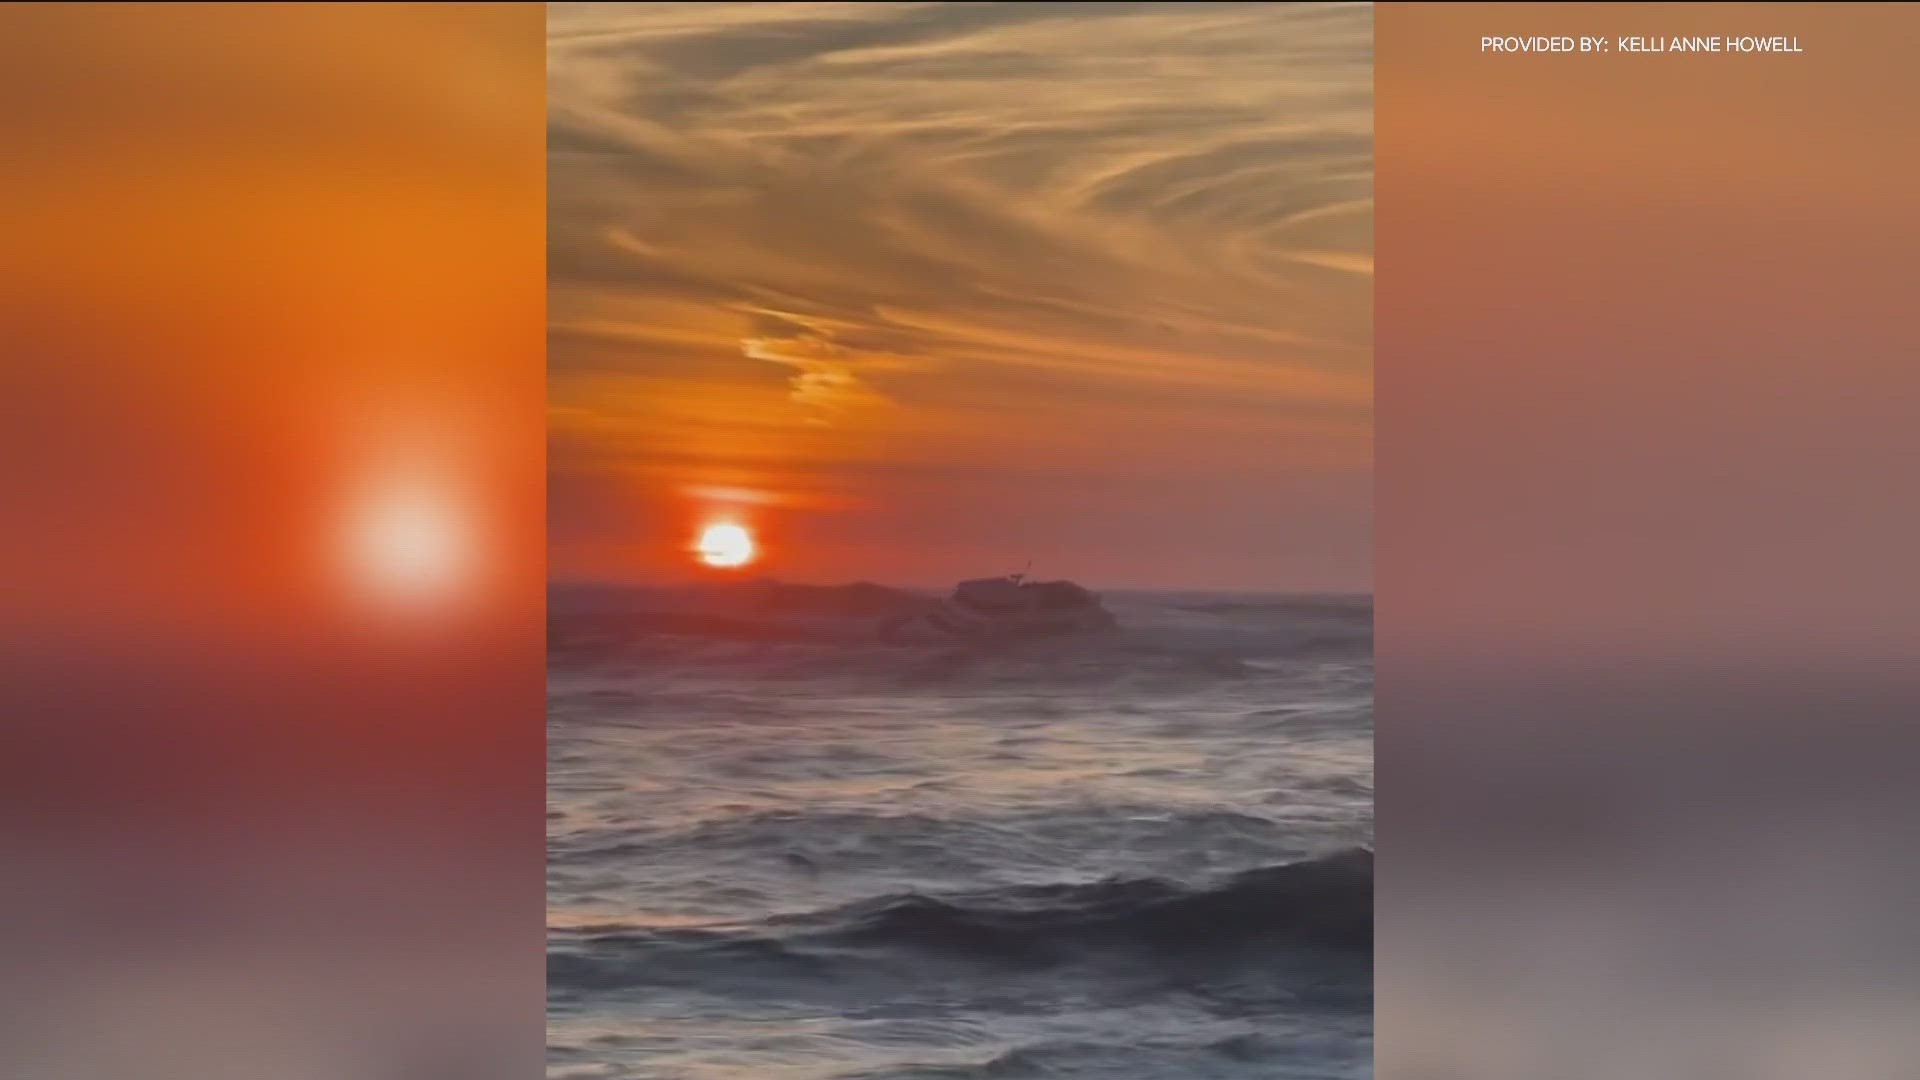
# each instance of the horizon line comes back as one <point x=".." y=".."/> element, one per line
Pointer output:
<point x="1271" y="590"/>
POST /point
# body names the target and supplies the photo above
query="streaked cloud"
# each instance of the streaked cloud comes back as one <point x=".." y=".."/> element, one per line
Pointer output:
<point x="855" y="251"/>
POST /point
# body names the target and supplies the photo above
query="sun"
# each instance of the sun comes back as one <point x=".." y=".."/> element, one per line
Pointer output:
<point x="725" y="546"/>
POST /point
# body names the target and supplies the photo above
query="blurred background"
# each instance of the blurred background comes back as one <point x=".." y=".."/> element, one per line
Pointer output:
<point x="271" y="448"/>
<point x="1647" y="610"/>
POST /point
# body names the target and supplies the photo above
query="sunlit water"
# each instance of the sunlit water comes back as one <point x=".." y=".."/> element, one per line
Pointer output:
<point x="828" y="858"/>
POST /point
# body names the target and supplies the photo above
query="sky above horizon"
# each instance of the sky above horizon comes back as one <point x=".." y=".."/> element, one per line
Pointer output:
<point x="926" y="291"/>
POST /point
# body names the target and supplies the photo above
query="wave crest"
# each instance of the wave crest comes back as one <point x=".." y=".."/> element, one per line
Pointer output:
<point x="1323" y="904"/>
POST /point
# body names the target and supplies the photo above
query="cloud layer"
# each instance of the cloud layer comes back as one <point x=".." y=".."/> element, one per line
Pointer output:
<point x="905" y="264"/>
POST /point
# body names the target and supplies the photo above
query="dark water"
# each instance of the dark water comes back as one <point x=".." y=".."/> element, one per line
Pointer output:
<point x="807" y="855"/>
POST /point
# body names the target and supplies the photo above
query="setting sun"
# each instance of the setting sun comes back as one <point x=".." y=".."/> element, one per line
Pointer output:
<point x="725" y="546"/>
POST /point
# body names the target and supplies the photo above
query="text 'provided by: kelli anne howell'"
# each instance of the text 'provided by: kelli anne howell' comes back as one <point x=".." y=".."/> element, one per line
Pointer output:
<point x="1742" y="44"/>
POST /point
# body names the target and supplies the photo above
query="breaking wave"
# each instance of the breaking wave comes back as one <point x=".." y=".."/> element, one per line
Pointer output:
<point x="1324" y="903"/>
<point x="1320" y="905"/>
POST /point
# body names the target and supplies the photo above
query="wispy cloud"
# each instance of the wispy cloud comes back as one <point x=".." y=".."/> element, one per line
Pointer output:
<point x="936" y="231"/>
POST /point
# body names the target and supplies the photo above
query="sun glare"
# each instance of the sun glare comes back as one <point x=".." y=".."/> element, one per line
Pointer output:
<point x="725" y="546"/>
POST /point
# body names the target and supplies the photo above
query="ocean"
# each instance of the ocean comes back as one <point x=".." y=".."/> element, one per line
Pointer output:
<point x="782" y="849"/>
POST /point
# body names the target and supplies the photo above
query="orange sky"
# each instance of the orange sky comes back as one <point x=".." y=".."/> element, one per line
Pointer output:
<point x="926" y="291"/>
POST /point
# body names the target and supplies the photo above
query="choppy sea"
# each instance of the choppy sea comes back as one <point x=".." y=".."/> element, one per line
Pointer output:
<point x="781" y="850"/>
